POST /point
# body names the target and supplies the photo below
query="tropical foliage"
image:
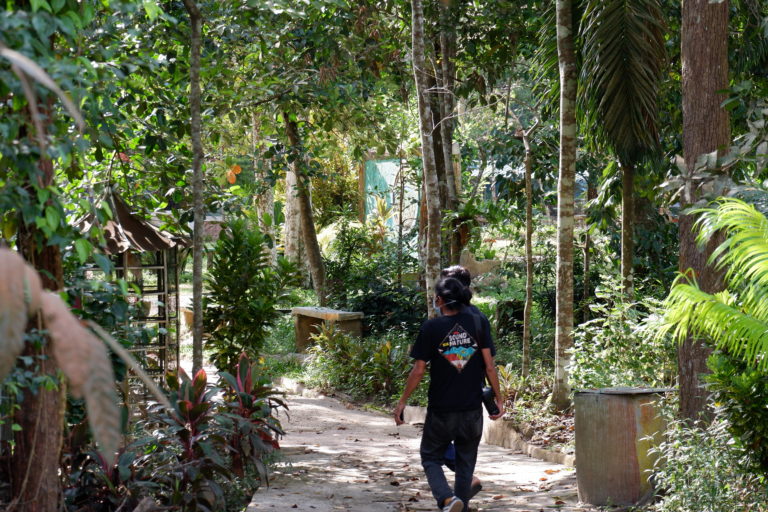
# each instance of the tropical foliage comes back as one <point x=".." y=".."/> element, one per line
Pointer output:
<point x="263" y="114"/>
<point x="244" y="288"/>
<point x="735" y="320"/>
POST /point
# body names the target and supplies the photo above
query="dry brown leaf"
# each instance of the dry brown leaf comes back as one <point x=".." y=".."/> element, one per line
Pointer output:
<point x="101" y="401"/>
<point x="72" y="343"/>
<point x="29" y="67"/>
<point x="14" y="310"/>
<point x="84" y="360"/>
<point x="33" y="288"/>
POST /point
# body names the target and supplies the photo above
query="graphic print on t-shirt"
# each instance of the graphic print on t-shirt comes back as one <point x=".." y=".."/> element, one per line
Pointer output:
<point x="457" y="347"/>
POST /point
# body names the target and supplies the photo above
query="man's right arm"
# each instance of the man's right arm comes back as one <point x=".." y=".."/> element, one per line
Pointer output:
<point x="414" y="378"/>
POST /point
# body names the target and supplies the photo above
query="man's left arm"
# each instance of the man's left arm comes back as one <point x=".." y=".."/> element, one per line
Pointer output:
<point x="493" y="378"/>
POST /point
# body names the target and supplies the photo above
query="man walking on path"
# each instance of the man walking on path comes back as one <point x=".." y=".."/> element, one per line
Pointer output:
<point x="459" y="354"/>
<point x="465" y="278"/>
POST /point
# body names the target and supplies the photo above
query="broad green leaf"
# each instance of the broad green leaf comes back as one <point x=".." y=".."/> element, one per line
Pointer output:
<point x="52" y="217"/>
<point x="103" y="262"/>
<point x="152" y="9"/>
<point x="40" y="4"/>
<point x="84" y="249"/>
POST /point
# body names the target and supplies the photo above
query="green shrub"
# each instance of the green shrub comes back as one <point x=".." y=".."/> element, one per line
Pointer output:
<point x="618" y="347"/>
<point x="365" y="273"/>
<point x="700" y="469"/>
<point x="740" y="393"/>
<point x="373" y="368"/>
<point x="208" y="452"/>
<point x="244" y="290"/>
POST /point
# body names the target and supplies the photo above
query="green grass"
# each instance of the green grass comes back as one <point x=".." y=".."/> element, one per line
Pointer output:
<point x="300" y="297"/>
<point x="275" y="367"/>
<point x="282" y="337"/>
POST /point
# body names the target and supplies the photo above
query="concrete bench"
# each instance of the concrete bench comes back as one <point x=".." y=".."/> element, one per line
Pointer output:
<point x="306" y="320"/>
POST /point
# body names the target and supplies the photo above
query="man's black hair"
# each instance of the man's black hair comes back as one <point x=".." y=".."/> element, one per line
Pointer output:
<point x="453" y="292"/>
<point x="458" y="272"/>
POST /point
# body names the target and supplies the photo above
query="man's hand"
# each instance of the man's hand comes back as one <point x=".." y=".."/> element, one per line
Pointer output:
<point x="398" y="414"/>
<point x="500" y="405"/>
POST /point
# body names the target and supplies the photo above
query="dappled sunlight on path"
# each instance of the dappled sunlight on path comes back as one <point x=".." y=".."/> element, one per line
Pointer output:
<point x="341" y="458"/>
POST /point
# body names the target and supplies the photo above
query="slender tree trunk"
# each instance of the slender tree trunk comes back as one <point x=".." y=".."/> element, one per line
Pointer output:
<point x="447" y="126"/>
<point x="314" y="256"/>
<point x="591" y="194"/>
<point x="292" y="229"/>
<point x="34" y="470"/>
<point x="437" y="137"/>
<point x="196" y="21"/>
<point x="627" y="227"/>
<point x="705" y="129"/>
<point x="265" y="201"/>
<point x="565" y="200"/>
<point x="35" y="463"/>
<point x="528" y="258"/>
<point x="431" y="186"/>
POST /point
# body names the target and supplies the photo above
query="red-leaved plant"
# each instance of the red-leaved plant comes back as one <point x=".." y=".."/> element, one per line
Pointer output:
<point x="251" y="405"/>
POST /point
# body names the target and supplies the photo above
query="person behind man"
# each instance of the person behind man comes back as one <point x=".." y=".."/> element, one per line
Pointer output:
<point x="460" y="358"/>
<point x="464" y="277"/>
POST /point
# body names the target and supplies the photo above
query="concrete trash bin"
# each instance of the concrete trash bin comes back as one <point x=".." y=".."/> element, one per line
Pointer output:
<point x="615" y="429"/>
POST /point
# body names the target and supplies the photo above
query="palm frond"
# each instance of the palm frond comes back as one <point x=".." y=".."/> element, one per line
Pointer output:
<point x="624" y="58"/>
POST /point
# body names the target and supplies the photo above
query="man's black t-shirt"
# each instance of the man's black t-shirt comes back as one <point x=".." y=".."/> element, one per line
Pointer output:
<point x="452" y="346"/>
<point x="485" y="325"/>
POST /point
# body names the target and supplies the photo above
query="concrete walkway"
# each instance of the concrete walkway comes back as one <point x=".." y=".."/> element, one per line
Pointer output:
<point x="336" y="457"/>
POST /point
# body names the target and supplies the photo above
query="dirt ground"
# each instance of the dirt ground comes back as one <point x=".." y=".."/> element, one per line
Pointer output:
<point x="337" y="457"/>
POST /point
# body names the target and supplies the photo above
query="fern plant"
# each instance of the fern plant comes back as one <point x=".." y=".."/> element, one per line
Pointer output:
<point x="244" y="290"/>
<point x="736" y="319"/>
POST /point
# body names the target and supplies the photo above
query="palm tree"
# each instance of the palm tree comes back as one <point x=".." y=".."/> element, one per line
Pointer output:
<point x="624" y="58"/>
<point x="735" y="319"/>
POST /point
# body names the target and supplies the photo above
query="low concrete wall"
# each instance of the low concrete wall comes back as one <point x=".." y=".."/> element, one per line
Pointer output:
<point x="503" y="433"/>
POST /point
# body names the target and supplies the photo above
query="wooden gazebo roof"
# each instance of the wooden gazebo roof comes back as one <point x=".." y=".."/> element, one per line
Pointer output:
<point x="126" y="231"/>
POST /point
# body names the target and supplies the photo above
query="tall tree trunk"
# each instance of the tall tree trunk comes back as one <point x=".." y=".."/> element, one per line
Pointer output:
<point x="431" y="186"/>
<point x="292" y="228"/>
<point x="627" y="226"/>
<point x="196" y="21"/>
<point x="591" y="194"/>
<point x="265" y="201"/>
<point x="314" y="256"/>
<point x="705" y="129"/>
<point x="447" y="126"/>
<point x="528" y="257"/>
<point x="434" y="81"/>
<point x="565" y="200"/>
<point x="34" y="467"/>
